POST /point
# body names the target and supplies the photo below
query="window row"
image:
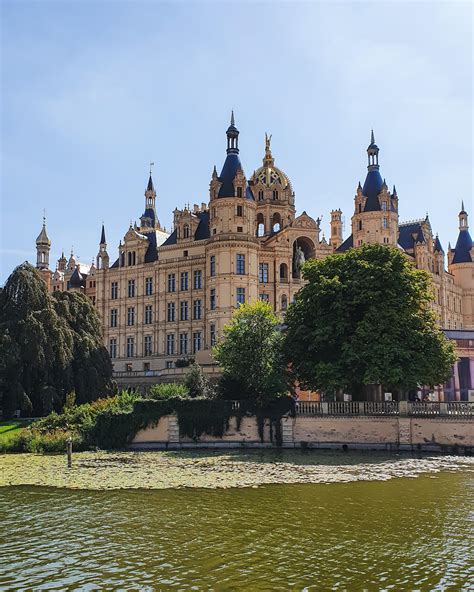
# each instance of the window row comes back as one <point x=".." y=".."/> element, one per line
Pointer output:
<point x="184" y="346"/>
<point x="131" y="288"/>
<point x="147" y="316"/>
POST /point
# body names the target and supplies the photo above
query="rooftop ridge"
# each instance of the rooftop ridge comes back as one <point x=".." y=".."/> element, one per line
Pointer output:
<point x="415" y="221"/>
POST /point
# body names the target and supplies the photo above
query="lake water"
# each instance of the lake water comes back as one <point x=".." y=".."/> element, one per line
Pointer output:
<point x="398" y="534"/>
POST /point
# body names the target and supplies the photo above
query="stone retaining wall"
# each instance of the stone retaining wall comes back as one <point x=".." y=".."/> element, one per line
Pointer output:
<point x="410" y="433"/>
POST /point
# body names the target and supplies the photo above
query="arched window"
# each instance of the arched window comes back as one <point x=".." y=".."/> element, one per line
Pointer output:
<point x="283" y="272"/>
<point x="186" y="231"/>
<point x="276" y="222"/>
<point x="284" y="302"/>
<point x="360" y="208"/>
<point x="260" y="224"/>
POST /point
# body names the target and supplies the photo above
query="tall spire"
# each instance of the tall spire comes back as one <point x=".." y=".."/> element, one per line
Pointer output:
<point x="373" y="154"/>
<point x="102" y="236"/>
<point x="232" y="137"/>
<point x="43" y="246"/>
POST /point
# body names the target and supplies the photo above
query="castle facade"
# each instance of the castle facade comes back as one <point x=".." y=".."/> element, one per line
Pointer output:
<point x="165" y="297"/>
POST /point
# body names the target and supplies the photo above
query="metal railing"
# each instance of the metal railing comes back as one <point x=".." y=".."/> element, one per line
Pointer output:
<point x="463" y="409"/>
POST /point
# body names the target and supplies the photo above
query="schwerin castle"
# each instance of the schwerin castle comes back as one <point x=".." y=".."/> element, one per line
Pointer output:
<point x="165" y="298"/>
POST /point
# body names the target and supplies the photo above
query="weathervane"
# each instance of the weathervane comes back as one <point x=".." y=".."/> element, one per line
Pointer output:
<point x="152" y="164"/>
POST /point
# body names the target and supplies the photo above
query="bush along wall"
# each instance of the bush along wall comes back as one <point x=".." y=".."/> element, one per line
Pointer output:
<point x="195" y="417"/>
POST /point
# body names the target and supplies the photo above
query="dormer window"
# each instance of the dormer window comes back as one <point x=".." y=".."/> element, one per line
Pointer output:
<point x="239" y="191"/>
<point x="360" y="208"/>
<point x="384" y="206"/>
<point x="186" y="231"/>
<point x="260" y="195"/>
<point x="240" y="211"/>
<point x="275" y="194"/>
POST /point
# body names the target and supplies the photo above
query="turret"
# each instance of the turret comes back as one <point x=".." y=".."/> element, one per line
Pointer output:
<point x="461" y="266"/>
<point x="149" y="219"/>
<point x="43" y="247"/>
<point x="336" y="228"/>
<point x="102" y="255"/>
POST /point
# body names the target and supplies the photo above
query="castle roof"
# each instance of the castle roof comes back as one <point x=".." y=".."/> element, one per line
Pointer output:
<point x="371" y="189"/>
<point x="77" y="279"/>
<point x="347" y="244"/>
<point x="463" y="247"/>
<point x="202" y="230"/>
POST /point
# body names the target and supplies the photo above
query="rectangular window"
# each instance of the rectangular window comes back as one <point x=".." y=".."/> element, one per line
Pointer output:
<point x="183" y="343"/>
<point x="113" y="348"/>
<point x="114" y="290"/>
<point x="113" y="317"/>
<point x="148" y="286"/>
<point x="240" y="210"/>
<point x="183" y="310"/>
<point x="130" y="316"/>
<point x="196" y="341"/>
<point x="148" y="314"/>
<point x="130" y="347"/>
<point x="171" y="312"/>
<point x="170" y="344"/>
<point x="264" y="297"/>
<point x="213" y="265"/>
<point x="131" y="288"/>
<point x="240" y="296"/>
<point x="213" y="299"/>
<point x="148" y="345"/>
<point x="384" y="206"/>
<point x="240" y="267"/>
<point x="169" y="363"/>
<point x="385" y="222"/>
<point x="197" y="310"/>
<point x="197" y="279"/>
<point x="213" y="335"/>
<point x="263" y="273"/>
<point x="184" y="280"/>
<point x="171" y="282"/>
<point x="239" y="192"/>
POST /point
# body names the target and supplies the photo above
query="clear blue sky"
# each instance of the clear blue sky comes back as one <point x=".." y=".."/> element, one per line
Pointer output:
<point x="93" y="91"/>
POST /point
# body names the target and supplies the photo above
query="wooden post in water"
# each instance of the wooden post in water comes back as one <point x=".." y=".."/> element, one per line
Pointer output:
<point x="69" y="452"/>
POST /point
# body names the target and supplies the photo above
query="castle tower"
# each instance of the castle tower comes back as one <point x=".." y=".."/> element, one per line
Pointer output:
<point x="375" y="218"/>
<point x="43" y="247"/>
<point x="336" y="228"/>
<point x="461" y="266"/>
<point x="149" y="219"/>
<point x="62" y="262"/>
<point x="232" y="249"/>
<point x="102" y="255"/>
<point x="274" y="194"/>
<point x="232" y="204"/>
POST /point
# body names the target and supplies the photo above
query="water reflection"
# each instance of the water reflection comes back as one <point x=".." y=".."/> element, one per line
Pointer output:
<point x="401" y="534"/>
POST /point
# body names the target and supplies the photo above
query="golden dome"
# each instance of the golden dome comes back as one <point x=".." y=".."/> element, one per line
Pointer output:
<point x="269" y="174"/>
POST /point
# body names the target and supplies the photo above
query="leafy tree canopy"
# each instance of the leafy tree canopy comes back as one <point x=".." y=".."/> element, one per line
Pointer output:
<point x="48" y="346"/>
<point x="364" y="317"/>
<point x="250" y="354"/>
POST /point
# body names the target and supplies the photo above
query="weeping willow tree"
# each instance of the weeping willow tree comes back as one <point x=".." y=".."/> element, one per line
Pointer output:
<point x="48" y="346"/>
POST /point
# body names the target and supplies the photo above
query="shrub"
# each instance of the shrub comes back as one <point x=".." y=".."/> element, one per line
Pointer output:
<point x="168" y="391"/>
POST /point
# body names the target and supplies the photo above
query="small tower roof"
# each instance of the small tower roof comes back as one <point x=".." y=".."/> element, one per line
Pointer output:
<point x="43" y="238"/>
<point x="437" y="245"/>
<point x="102" y="236"/>
<point x="150" y="184"/>
<point x="464" y="244"/>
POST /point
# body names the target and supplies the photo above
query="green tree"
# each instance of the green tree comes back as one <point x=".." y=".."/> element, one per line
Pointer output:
<point x="364" y="318"/>
<point x="35" y="344"/>
<point x="197" y="382"/>
<point x="48" y="346"/>
<point x="90" y="370"/>
<point x="250" y="354"/>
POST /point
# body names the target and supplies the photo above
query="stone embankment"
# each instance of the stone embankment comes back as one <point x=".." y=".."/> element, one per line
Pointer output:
<point x="432" y="427"/>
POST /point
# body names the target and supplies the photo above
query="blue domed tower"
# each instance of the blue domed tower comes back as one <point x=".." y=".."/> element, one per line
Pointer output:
<point x="375" y="218"/>
<point x="461" y="266"/>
